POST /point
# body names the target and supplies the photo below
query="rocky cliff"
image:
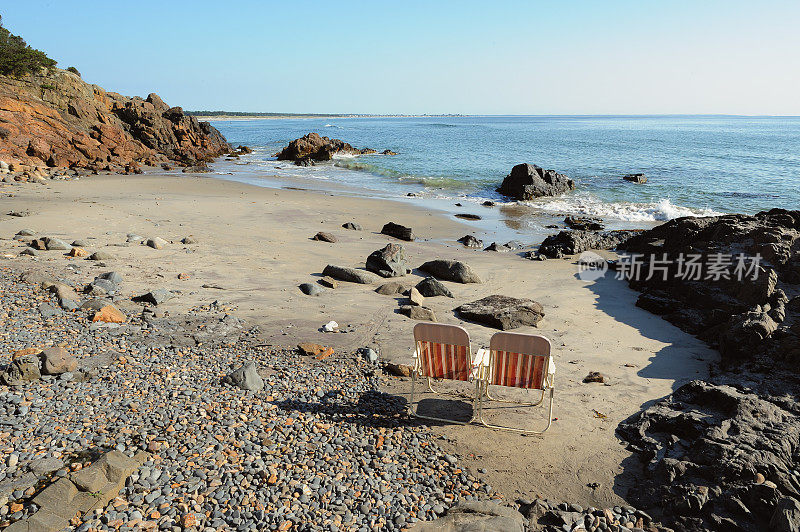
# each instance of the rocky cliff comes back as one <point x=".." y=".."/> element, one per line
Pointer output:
<point x="56" y="120"/>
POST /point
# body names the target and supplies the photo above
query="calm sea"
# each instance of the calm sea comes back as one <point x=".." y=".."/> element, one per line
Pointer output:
<point x="695" y="164"/>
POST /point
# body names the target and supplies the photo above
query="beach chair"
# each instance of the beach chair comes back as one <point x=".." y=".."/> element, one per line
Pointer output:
<point x="442" y="352"/>
<point x="516" y="360"/>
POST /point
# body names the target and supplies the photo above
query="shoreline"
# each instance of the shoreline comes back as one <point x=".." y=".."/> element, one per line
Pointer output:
<point x="254" y="249"/>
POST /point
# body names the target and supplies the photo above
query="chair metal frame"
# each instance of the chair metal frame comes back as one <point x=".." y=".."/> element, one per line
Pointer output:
<point x="449" y="335"/>
<point x="524" y="344"/>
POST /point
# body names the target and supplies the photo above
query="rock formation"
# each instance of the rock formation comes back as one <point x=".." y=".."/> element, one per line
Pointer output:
<point x="312" y="147"/>
<point x="56" y="120"/>
<point x="572" y="242"/>
<point x="528" y="181"/>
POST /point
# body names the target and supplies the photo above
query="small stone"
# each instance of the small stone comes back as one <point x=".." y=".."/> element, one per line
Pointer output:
<point x="189" y="240"/>
<point x="415" y="298"/>
<point x="418" y="313"/>
<point x="594" y="376"/>
<point x="329" y="282"/>
<point x="78" y="252"/>
<point x="245" y="377"/>
<point x="56" y="360"/>
<point x="399" y="370"/>
<point x="109" y="314"/>
<point x="347" y="225"/>
<point x="760" y="478"/>
<point x="311" y="289"/>
<point x="156" y="242"/>
<point x="325" y="237"/>
<point x="100" y="255"/>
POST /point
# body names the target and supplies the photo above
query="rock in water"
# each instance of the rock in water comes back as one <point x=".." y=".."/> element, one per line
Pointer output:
<point x="350" y="275"/>
<point x="430" y="287"/>
<point x="584" y="223"/>
<point x="312" y="147"/>
<point x="246" y="378"/>
<point x="311" y="289"/>
<point x="398" y="231"/>
<point x="389" y="261"/>
<point x="503" y="312"/>
<point x="471" y="242"/>
<point x="56" y="360"/>
<point x="574" y="242"/>
<point x="528" y="181"/>
<point x="639" y="179"/>
<point x="451" y="270"/>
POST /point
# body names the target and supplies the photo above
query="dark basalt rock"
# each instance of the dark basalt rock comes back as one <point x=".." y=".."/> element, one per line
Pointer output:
<point x="584" y="224"/>
<point x="528" y="181"/>
<point x="471" y="242"/>
<point x="717" y="458"/>
<point x="747" y="319"/>
<point x="502" y="312"/>
<point x="313" y="147"/>
<point x="398" y="231"/>
<point x="639" y="179"/>
<point x="431" y="287"/>
<point x="573" y="242"/>
<point x="389" y="261"/>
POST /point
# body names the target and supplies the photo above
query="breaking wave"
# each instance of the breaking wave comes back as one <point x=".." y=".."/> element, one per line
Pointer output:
<point x="660" y="211"/>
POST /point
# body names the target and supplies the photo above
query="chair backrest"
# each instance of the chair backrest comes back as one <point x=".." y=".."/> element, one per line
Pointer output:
<point x="518" y="360"/>
<point x="444" y="351"/>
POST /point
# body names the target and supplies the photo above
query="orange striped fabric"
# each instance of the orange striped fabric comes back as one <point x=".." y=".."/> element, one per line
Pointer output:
<point x="517" y="370"/>
<point x="445" y="361"/>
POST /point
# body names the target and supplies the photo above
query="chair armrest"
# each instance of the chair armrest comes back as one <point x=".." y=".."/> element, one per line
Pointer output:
<point x="481" y="358"/>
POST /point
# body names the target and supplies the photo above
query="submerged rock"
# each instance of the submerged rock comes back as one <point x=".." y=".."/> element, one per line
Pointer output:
<point x="528" y="181"/>
<point x="639" y="179"/>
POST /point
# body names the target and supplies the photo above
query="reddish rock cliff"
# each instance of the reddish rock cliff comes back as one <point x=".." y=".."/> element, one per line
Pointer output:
<point x="58" y="120"/>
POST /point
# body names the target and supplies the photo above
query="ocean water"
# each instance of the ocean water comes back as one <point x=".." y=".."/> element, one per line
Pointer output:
<point x="696" y="165"/>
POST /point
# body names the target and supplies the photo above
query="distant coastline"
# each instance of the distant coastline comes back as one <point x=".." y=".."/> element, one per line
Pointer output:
<point x="236" y="115"/>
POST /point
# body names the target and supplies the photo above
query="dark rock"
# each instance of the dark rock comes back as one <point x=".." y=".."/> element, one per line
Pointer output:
<point x="450" y="270"/>
<point x="494" y="246"/>
<point x="389" y="261"/>
<point x="639" y="179"/>
<point x="388" y="152"/>
<point x="466" y="216"/>
<point x="573" y="242"/>
<point x="313" y="147"/>
<point x="594" y="376"/>
<point x="527" y="181"/>
<point x="488" y="203"/>
<point x="189" y="240"/>
<point x="430" y="287"/>
<point x="311" y="289"/>
<point x="325" y="237"/>
<point x="583" y="223"/>
<point x="392" y="288"/>
<point x="352" y="226"/>
<point x="470" y="241"/>
<point x="502" y="312"/>
<point x="398" y="231"/>
<point x="196" y="169"/>
<point x="350" y="275"/>
<point x="154" y="297"/>
<point x="245" y="377"/>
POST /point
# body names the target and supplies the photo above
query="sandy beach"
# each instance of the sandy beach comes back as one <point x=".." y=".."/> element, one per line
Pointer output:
<point x="254" y="248"/>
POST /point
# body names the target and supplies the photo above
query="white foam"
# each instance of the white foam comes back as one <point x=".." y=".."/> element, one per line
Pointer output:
<point x="632" y="212"/>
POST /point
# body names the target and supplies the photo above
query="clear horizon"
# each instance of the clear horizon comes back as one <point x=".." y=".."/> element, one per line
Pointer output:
<point x="583" y="58"/>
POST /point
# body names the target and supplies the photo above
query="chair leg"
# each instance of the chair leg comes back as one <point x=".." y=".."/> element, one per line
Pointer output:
<point x="522" y="431"/>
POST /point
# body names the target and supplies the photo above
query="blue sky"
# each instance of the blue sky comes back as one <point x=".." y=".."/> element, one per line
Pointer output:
<point x="491" y="57"/>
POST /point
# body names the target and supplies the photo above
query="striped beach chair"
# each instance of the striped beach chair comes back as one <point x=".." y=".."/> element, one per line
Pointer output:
<point x="442" y="352"/>
<point x="516" y="360"/>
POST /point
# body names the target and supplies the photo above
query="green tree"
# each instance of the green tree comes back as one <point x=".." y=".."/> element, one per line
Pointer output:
<point x="17" y="58"/>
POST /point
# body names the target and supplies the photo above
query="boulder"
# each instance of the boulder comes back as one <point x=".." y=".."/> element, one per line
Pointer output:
<point x="470" y="241"/>
<point x="502" y="312"/>
<point x="56" y="360"/>
<point x="100" y="255"/>
<point x="431" y="287"/>
<point x="22" y="370"/>
<point x="392" y="288"/>
<point x="245" y="377"/>
<point x="56" y="244"/>
<point x="325" y="237"/>
<point x="418" y="313"/>
<point x="313" y="147"/>
<point x="574" y="242"/>
<point x="450" y="270"/>
<point x="584" y="223"/>
<point x="350" y="275"/>
<point x="389" y="261"/>
<point x="415" y="298"/>
<point x="639" y="179"/>
<point x="311" y="289"/>
<point x="527" y="181"/>
<point x="398" y="231"/>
